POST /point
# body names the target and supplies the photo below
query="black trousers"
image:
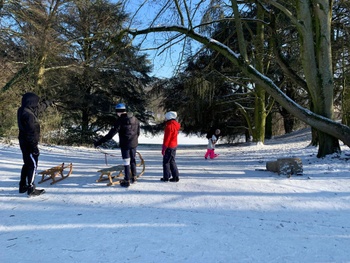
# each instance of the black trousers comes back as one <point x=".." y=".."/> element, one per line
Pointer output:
<point x="29" y="168"/>
<point x="129" y="159"/>
<point x="169" y="164"/>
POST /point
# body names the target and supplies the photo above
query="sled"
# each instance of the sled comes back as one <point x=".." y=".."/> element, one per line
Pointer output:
<point x="54" y="172"/>
<point x="107" y="173"/>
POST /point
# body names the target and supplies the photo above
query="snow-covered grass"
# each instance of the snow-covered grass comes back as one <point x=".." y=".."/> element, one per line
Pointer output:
<point x="222" y="210"/>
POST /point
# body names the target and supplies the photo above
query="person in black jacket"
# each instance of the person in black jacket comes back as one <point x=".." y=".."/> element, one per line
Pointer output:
<point x="29" y="135"/>
<point x="128" y="128"/>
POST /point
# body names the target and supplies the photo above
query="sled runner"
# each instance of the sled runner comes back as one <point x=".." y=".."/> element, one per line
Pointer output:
<point x="107" y="173"/>
<point x="53" y="172"/>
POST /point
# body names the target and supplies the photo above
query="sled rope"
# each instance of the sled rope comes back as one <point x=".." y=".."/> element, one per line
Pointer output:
<point x="107" y="154"/>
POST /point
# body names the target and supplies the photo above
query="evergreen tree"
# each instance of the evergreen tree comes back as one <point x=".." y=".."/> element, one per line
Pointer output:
<point x="70" y="52"/>
<point x="110" y="69"/>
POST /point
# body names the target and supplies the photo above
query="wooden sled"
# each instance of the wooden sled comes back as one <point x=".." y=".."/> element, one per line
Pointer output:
<point x="53" y="172"/>
<point x="109" y="171"/>
<point x="120" y="169"/>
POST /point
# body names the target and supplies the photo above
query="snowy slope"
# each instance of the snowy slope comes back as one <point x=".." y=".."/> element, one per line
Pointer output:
<point x="222" y="210"/>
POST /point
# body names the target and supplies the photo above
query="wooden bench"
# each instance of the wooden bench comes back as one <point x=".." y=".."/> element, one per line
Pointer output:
<point x="53" y="172"/>
<point x="120" y="169"/>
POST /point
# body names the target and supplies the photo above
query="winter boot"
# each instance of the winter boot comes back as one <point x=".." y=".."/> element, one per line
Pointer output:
<point x="35" y="192"/>
<point x="164" y="180"/>
<point x="124" y="183"/>
<point x="23" y="189"/>
<point x="174" y="179"/>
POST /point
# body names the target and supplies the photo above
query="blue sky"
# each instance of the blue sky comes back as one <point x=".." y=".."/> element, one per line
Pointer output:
<point x="165" y="62"/>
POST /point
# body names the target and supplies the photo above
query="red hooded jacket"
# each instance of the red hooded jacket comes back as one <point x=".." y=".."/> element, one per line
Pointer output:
<point x="171" y="131"/>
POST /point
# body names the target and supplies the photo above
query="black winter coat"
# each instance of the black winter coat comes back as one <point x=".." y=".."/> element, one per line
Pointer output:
<point x="28" y="123"/>
<point x="128" y="128"/>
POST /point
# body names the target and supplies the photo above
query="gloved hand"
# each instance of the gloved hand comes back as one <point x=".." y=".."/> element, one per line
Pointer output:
<point x="48" y="103"/>
<point x="163" y="149"/>
<point x="36" y="151"/>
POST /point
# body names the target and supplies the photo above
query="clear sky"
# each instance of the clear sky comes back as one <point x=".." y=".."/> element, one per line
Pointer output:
<point x="165" y="61"/>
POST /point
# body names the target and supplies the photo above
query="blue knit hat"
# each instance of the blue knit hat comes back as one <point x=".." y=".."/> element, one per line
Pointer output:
<point x="120" y="107"/>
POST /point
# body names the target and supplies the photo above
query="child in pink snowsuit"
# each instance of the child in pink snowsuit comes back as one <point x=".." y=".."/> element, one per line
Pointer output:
<point x="211" y="145"/>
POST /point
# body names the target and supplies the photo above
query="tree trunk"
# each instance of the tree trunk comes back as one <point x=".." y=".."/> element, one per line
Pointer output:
<point x="260" y="93"/>
<point x="85" y="134"/>
<point x="314" y="27"/>
<point x="268" y="126"/>
<point x="329" y="144"/>
<point x="288" y="120"/>
<point x="314" y="137"/>
<point x="259" y="115"/>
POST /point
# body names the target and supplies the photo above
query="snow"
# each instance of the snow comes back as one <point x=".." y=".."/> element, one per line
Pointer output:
<point x="222" y="210"/>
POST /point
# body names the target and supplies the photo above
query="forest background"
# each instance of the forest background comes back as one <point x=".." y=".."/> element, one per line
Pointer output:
<point x="252" y="68"/>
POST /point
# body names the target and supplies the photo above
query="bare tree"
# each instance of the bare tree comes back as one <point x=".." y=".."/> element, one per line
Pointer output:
<point x="312" y="18"/>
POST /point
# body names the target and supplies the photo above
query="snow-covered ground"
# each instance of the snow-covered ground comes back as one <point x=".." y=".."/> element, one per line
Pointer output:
<point x="222" y="210"/>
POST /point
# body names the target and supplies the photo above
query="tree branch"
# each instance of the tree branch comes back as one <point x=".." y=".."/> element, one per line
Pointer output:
<point x="321" y="123"/>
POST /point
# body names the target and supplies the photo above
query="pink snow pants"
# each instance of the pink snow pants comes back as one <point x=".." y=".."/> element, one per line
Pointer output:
<point x="210" y="153"/>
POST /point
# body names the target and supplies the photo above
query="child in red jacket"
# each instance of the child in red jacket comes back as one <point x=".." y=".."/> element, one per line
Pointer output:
<point x="171" y="132"/>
